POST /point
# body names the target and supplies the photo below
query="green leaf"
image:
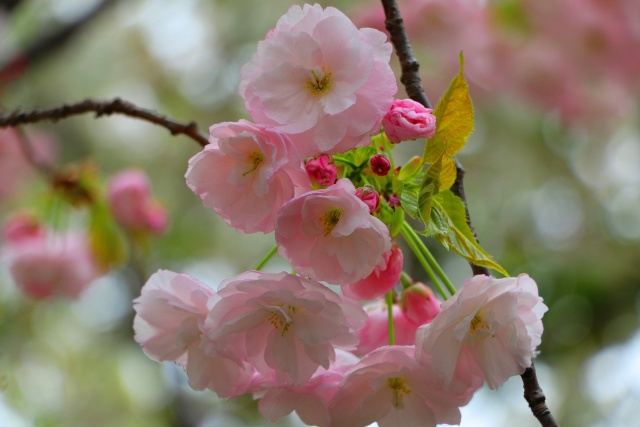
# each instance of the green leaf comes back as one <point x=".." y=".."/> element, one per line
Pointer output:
<point x="393" y="219"/>
<point x="411" y="169"/>
<point x="409" y="200"/>
<point x="448" y="224"/>
<point x="454" y="119"/>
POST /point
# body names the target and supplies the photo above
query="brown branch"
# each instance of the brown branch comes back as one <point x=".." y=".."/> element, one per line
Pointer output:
<point x="533" y="394"/>
<point x="103" y="108"/>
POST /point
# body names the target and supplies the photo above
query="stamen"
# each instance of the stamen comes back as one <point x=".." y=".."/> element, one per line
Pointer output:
<point x="400" y="388"/>
<point x="319" y="85"/>
<point x="330" y="219"/>
<point x="255" y="158"/>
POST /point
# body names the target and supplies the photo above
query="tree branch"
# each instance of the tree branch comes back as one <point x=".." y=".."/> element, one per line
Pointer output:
<point x="533" y="394"/>
<point x="103" y="108"/>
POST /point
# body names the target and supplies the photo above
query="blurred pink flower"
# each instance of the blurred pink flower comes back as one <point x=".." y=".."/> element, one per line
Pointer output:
<point x="492" y="326"/>
<point x="14" y="169"/>
<point x="132" y="204"/>
<point x="420" y="304"/>
<point x="389" y="387"/>
<point x="170" y="313"/>
<point x="322" y="170"/>
<point x="407" y="120"/>
<point x="375" y="332"/>
<point x="283" y="324"/>
<point x="383" y="278"/>
<point x="46" y="264"/>
<point x="330" y="235"/>
<point x="321" y="80"/>
<point x="311" y="400"/>
<point x="21" y="228"/>
<point x="246" y="173"/>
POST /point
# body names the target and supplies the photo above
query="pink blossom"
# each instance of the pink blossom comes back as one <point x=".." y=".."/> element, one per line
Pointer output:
<point x="14" y="169"/>
<point x="246" y="173"/>
<point x="330" y="235"/>
<point x="322" y="170"/>
<point x="491" y="326"/>
<point x="389" y="387"/>
<point x="420" y="304"/>
<point x="131" y="202"/>
<point x="311" y="400"/>
<point x="55" y="264"/>
<point x="380" y="165"/>
<point x="383" y="278"/>
<point x="283" y="324"/>
<point x="170" y="313"/>
<point x="321" y="80"/>
<point x="21" y="228"/>
<point x="408" y="119"/>
<point x="375" y="332"/>
<point x="369" y="196"/>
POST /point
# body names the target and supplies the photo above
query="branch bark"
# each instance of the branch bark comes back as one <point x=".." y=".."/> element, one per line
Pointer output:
<point x="410" y="78"/>
<point x="103" y="108"/>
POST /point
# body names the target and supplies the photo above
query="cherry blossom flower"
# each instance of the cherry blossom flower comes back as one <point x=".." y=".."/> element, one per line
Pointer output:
<point x="170" y="313"/>
<point x="375" y="332"/>
<point x="44" y="264"/>
<point x="321" y="80"/>
<point x="383" y="278"/>
<point x="131" y="202"/>
<point x="491" y="326"/>
<point x="330" y="235"/>
<point x="246" y="173"/>
<point x="322" y="170"/>
<point x="282" y="323"/>
<point x="408" y="119"/>
<point x="389" y="387"/>
<point x="420" y="304"/>
<point x="311" y="400"/>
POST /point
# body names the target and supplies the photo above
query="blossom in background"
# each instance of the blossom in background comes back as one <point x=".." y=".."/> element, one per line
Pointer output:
<point x="321" y="80"/>
<point x="311" y="400"/>
<point x="170" y="313"/>
<point x="389" y="387"/>
<point x="246" y="174"/>
<point x="132" y="204"/>
<point x="407" y="120"/>
<point x="330" y="235"/>
<point x="45" y="264"/>
<point x="322" y="170"/>
<point x="285" y="325"/>
<point x="490" y="326"/>
<point x="375" y="332"/>
<point x="383" y="278"/>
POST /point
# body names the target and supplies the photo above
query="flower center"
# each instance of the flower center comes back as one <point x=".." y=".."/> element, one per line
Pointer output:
<point x="320" y="83"/>
<point x="329" y="220"/>
<point x="255" y="159"/>
<point x="477" y="323"/>
<point x="400" y="388"/>
<point x="281" y="319"/>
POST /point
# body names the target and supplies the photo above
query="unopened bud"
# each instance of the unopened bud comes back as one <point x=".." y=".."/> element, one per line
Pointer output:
<point x="322" y="170"/>
<point x="380" y="165"/>
<point x="419" y="304"/>
<point x="369" y="196"/>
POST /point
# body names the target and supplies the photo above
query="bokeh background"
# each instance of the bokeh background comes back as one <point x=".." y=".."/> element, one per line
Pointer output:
<point x="553" y="185"/>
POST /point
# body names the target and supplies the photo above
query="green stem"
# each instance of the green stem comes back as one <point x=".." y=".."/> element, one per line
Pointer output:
<point x="389" y="298"/>
<point x="267" y="257"/>
<point x="345" y="161"/>
<point x="415" y="244"/>
<point x="406" y="280"/>
<point x="438" y="269"/>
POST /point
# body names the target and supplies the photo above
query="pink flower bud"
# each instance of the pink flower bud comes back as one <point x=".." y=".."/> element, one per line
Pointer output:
<point x="380" y="165"/>
<point x="21" y="228"/>
<point x="322" y="170"/>
<point x="369" y="196"/>
<point x="394" y="201"/>
<point x="382" y="280"/>
<point x="132" y="205"/>
<point x="407" y="119"/>
<point x="419" y="304"/>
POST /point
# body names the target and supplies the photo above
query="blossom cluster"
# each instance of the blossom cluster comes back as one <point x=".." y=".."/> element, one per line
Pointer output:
<point x="318" y="89"/>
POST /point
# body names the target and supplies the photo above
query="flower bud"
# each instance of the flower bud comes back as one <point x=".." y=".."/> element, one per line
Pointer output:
<point x="369" y="196"/>
<point x="407" y="119"/>
<point x="322" y="170"/>
<point x="380" y="165"/>
<point x="419" y="304"/>
<point x="394" y="201"/>
<point x="21" y="228"/>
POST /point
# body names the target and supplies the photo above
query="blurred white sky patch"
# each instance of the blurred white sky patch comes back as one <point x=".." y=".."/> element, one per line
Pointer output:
<point x="10" y="418"/>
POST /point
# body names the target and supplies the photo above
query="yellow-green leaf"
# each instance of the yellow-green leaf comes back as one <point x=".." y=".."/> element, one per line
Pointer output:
<point x="454" y="119"/>
<point x="106" y="240"/>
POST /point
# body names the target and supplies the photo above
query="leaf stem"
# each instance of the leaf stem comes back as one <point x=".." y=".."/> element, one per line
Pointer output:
<point x="267" y="258"/>
<point x="415" y="244"/>
<point x="431" y="259"/>
<point x="389" y="298"/>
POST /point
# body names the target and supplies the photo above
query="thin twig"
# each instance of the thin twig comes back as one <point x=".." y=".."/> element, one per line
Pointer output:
<point x="533" y="393"/>
<point x="103" y="108"/>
